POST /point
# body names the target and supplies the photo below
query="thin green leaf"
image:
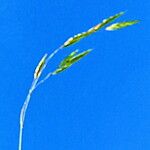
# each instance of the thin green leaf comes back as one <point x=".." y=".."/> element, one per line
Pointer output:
<point x="121" y="25"/>
<point x="39" y="67"/>
<point x="78" y="37"/>
<point x="70" y="60"/>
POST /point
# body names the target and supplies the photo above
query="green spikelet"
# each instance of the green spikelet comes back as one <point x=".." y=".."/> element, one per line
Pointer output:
<point x="78" y="37"/>
<point x="39" y="67"/>
<point x="121" y="25"/>
<point x="70" y="60"/>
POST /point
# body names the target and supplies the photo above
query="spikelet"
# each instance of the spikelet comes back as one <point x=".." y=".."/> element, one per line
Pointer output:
<point x="78" y="37"/>
<point x="39" y="67"/>
<point x="70" y="60"/>
<point x="121" y="25"/>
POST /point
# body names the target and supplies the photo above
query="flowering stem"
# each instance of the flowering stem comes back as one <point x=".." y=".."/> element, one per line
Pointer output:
<point x="34" y="85"/>
<point x="23" y="111"/>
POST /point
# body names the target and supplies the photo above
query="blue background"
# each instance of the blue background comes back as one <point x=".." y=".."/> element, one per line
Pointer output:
<point x="100" y="103"/>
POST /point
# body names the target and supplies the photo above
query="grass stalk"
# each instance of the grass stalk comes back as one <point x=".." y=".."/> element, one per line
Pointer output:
<point x="34" y="85"/>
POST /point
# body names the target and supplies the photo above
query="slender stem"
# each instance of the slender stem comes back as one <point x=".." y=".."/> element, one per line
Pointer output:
<point x="20" y="137"/>
<point x="51" y="56"/>
<point x="34" y="85"/>
<point x="48" y="59"/>
<point x="45" y="78"/>
<point x="23" y="111"/>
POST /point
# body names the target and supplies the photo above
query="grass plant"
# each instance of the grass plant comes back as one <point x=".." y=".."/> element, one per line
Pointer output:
<point x="66" y="63"/>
